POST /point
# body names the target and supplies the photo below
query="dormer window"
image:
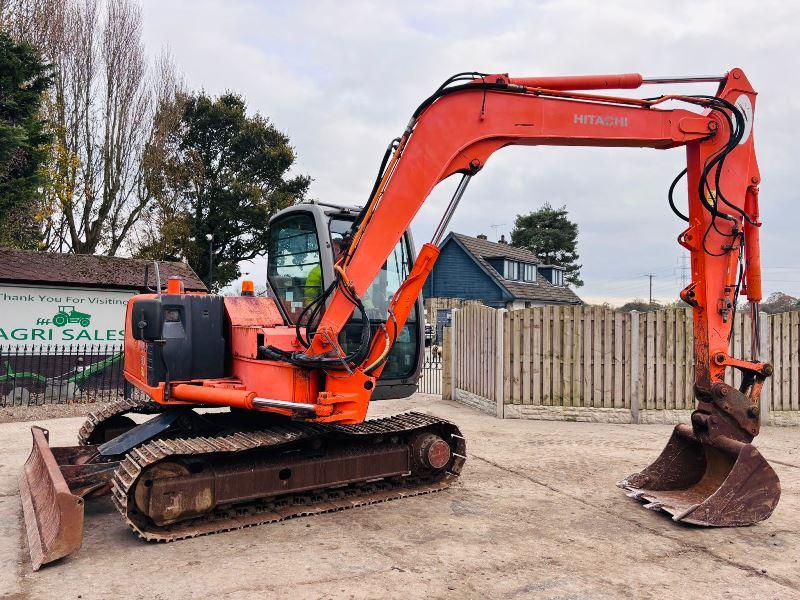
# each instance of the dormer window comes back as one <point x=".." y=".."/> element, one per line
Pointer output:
<point x="511" y="269"/>
<point x="514" y="270"/>
<point x="558" y="277"/>
<point x="530" y="272"/>
<point x="553" y="274"/>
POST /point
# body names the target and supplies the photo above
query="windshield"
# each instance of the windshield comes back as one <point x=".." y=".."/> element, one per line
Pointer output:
<point x="393" y="272"/>
<point x="294" y="267"/>
<point x="402" y="361"/>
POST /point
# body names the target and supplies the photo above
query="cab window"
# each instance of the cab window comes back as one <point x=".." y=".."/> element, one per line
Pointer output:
<point x="402" y="359"/>
<point x="294" y="269"/>
<point x="393" y="272"/>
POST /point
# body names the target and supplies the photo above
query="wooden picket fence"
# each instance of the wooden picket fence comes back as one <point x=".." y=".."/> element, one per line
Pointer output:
<point x="568" y="356"/>
<point x="783" y="345"/>
<point x="591" y="357"/>
<point x="476" y="330"/>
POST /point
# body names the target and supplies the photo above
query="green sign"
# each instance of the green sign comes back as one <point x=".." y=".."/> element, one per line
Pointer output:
<point x="68" y="314"/>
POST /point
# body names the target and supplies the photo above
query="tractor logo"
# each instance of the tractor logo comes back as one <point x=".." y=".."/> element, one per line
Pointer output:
<point x="68" y="314"/>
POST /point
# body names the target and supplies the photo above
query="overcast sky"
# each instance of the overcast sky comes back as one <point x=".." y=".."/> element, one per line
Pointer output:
<point x="342" y="78"/>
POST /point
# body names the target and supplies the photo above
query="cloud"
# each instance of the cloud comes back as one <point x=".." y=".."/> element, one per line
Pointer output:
<point x="341" y="78"/>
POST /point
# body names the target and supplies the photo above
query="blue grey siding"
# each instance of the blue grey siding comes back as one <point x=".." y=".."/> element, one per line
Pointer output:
<point x="456" y="275"/>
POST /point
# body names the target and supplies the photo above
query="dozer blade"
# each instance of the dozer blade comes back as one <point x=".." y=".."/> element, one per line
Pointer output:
<point x="727" y="484"/>
<point x="53" y="514"/>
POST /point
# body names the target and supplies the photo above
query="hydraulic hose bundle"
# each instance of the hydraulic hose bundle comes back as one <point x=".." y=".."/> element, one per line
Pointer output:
<point x="310" y="316"/>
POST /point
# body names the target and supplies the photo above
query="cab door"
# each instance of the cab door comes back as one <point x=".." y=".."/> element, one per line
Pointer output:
<point x="305" y="241"/>
<point x="404" y="364"/>
<point x="297" y="269"/>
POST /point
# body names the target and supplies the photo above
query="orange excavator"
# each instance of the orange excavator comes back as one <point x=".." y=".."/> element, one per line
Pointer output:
<point x="257" y="404"/>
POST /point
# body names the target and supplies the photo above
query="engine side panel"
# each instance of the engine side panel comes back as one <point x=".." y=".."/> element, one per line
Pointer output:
<point x="190" y="342"/>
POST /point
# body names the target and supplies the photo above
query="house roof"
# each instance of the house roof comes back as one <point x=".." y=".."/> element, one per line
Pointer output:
<point x="86" y="270"/>
<point x="487" y="249"/>
<point x="541" y="291"/>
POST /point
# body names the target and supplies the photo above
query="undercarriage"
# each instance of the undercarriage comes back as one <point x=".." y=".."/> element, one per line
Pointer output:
<point x="197" y="473"/>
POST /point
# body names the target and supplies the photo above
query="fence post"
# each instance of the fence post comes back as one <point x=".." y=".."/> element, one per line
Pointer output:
<point x="453" y="354"/>
<point x="766" y="356"/>
<point x="499" y="394"/>
<point x="447" y="363"/>
<point x="634" y="358"/>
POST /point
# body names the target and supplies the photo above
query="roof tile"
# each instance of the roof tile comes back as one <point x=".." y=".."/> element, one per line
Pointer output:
<point x="86" y="270"/>
<point x="487" y="249"/>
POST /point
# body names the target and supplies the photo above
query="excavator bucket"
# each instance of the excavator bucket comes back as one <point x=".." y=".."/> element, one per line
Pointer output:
<point x="53" y="514"/>
<point x="727" y="484"/>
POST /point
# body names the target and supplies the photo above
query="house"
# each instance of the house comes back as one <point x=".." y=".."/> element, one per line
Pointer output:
<point x="493" y="273"/>
<point x="74" y="299"/>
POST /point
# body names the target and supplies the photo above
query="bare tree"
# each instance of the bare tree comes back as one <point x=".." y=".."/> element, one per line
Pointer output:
<point x="112" y="113"/>
<point x="101" y="110"/>
<point x="161" y="204"/>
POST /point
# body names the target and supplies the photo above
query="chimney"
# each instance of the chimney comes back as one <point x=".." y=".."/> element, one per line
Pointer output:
<point x="503" y="239"/>
<point x="482" y="236"/>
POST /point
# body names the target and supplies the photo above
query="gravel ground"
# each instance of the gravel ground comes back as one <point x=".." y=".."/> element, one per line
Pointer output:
<point x="535" y="514"/>
<point x="14" y="414"/>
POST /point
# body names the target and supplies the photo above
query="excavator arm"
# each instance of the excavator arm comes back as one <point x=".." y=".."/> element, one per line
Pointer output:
<point x="707" y="465"/>
<point x="455" y="132"/>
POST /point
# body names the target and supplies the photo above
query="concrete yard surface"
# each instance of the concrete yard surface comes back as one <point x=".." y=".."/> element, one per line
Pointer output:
<point x="535" y="514"/>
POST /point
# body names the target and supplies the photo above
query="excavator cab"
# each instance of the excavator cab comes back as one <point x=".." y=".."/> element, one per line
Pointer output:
<point x="305" y="242"/>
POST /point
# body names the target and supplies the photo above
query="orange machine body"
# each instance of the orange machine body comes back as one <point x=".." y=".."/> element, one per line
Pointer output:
<point x="457" y="133"/>
<point x="250" y="321"/>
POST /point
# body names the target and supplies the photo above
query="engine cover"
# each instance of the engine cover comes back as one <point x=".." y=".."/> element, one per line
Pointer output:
<point x="182" y="337"/>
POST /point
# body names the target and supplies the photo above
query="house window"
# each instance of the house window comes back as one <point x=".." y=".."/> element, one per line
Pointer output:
<point x="518" y="271"/>
<point x="558" y="277"/>
<point x="512" y="270"/>
<point x="529" y="272"/>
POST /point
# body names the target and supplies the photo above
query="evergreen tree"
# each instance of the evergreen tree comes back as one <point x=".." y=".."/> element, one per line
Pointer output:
<point x="24" y="143"/>
<point x="550" y="235"/>
<point x="217" y="175"/>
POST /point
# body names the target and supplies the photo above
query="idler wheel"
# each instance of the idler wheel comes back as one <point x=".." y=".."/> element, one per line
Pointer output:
<point x="431" y="452"/>
<point x="164" y="508"/>
<point x="111" y="428"/>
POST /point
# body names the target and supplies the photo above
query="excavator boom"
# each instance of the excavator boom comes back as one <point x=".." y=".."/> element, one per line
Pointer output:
<point x="298" y="369"/>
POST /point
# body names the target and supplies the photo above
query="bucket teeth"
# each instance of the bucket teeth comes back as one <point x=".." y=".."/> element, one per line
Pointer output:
<point x="682" y="515"/>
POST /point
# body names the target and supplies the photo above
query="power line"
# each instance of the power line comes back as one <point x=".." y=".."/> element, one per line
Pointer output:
<point x="630" y="282"/>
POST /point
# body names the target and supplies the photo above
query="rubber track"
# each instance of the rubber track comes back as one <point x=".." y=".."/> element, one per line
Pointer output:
<point x="287" y="506"/>
<point x="118" y="407"/>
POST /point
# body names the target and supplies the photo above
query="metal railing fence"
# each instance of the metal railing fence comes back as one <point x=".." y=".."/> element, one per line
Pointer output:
<point x="431" y="380"/>
<point x="60" y="374"/>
